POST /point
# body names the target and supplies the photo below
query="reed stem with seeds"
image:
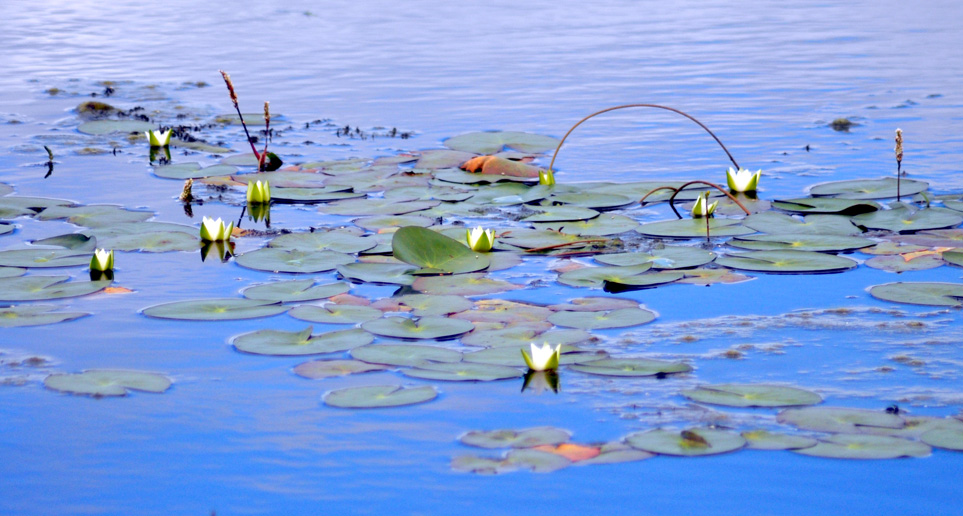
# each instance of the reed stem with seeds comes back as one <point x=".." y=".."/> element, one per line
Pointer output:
<point x="233" y="94"/>
<point x="675" y="192"/>
<point x="899" y="160"/>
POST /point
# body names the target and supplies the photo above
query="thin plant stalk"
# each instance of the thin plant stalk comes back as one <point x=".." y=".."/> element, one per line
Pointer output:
<point x="267" y="134"/>
<point x="899" y="160"/>
<point x="679" y="189"/>
<point x="230" y="90"/>
<point x="656" y="106"/>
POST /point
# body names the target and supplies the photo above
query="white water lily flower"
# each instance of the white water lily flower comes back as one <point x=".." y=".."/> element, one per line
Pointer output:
<point x="543" y="358"/>
<point x="546" y="177"/>
<point x="481" y="240"/>
<point x="215" y="230"/>
<point x="702" y="208"/>
<point x="258" y="192"/>
<point x="102" y="261"/>
<point x="159" y="139"/>
<point x="743" y="180"/>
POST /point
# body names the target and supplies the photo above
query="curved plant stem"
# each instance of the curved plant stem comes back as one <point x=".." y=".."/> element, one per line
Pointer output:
<point x="566" y="244"/>
<point x="646" y="196"/>
<point x="717" y="187"/>
<point x="656" y="106"/>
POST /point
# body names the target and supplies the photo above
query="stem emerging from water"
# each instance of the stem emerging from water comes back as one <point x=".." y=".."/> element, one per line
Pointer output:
<point x="230" y="90"/>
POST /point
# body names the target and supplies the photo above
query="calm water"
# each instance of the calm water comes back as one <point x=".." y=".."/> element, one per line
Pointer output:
<point x="241" y="434"/>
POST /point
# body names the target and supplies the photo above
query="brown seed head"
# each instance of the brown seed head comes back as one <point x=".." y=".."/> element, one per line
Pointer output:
<point x="230" y="86"/>
<point x="186" y="193"/>
<point x="899" y="145"/>
<point x="267" y="112"/>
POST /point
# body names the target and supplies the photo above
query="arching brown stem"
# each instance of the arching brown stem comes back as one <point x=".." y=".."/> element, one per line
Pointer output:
<point x="656" y="106"/>
<point x="717" y="187"/>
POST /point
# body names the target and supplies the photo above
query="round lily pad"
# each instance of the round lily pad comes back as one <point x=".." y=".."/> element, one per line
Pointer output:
<point x="6" y="229"/>
<point x="313" y="195"/>
<point x="827" y="205"/>
<point x="620" y="318"/>
<point x="379" y="396"/>
<point x="786" y="262"/>
<point x="435" y="253"/>
<point x="953" y="257"/>
<point x="225" y="309"/>
<point x="422" y="304"/>
<point x="35" y="315"/>
<point x="104" y="382"/>
<point x="404" y="354"/>
<point x="860" y="446"/>
<point x="295" y="290"/>
<point x="516" y="336"/>
<point x="370" y="207"/>
<point x="764" y="440"/>
<point x="689" y="443"/>
<point x="389" y="273"/>
<point x="37" y="288"/>
<point x="462" y="372"/>
<point x="318" y="369"/>
<point x="430" y="327"/>
<point x="99" y="127"/>
<point x="868" y="188"/>
<point x="897" y="263"/>
<point x="775" y="223"/>
<point x="920" y="293"/>
<point x="152" y="242"/>
<point x="492" y="142"/>
<point x="905" y="220"/>
<point x="44" y="258"/>
<point x="752" y="395"/>
<point x="838" y="419"/>
<point x="289" y="343"/>
<point x="560" y="214"/>
<point x="801" y="242"/>
<point x="292" y="260"/>
<point x="616" y="453"/>
<point x="527" y="438"/>
<point x="333" y="313"/>
<point x="946" y="438"/>
<point x="603" y="225"/>
<point x="94" y="216"/>
<point x="631" y="367"/>
<point x="184" y="171"/>
<point x="693" y="228"/>
<point x="597" y="276"/>
<point x="474" y="284"/>
<point x="393" y="221"/>
<point x="669" y="257"/>
<point x="595" y="304"/>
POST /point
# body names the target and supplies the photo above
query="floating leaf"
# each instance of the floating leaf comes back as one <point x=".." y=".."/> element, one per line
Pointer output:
<point x="560" y="214"/>
<point x="35" y="315"/>
<point x="475" y="284"/>
<point x="225" y="309"/>
<point x="512" y="356"/>
<point x="595" y="201"/>
<point x="953" y="257"/>
<point x="462" y="372"/>
<point x="669" y="257"/>
<point x="11" y="272"/>
<point x="826" y="205"/>
<point x="915" y="426"/>
<point x="333" y="313"/>
<point x="595" y="277"/>
<point x="533" y="460"/>
<point x="104" y="382"/>
<point x="603" y="225"/>
<point x="764" y="440"/>
<point x="920" y="293"/>
<point x="899" y="263"/>
<point x="752" y="395"/>
<point x="933" y="238"/>
<point x="421" y="305"/>
<point x="505" y="312"/>
<point x="94" y="216"/>
<point x="12" y="207"/>
<point x="295" y="290"/>
<point x="153" y="242"/>
<point x="868" y="188"/>
<point x="621" y="318"/>
<point x="693" y="228"/>
<point x="390" y="273"/>
<point x="616" y="453"/>
<point x="946" y="438"/>
<point x="292" y="260"/>
<point x="571" y="451"/>
<point x="290" y="343"/>
<point x="6" y="229"/>
<point x="37" y="288"/>
<point x="527" y="438"/>
<point x="44" y="258"/>
<point x="379" y="396"/>
<point x="781" y="224"/>
<point x="689" y="443"/>
<point x="712" y="276"/>
<point x="442" y="158"/>
<point x="318" y="369"/>
<point x="363" y="207"/>
<point x="492" y="142"/>
<point x="531" y="239"/>
<point x="312" y="195"/>
<point x="72" y="241"/>
<point x="435" y="253"/>
<point x="99" y="127"/>
<point x="184" y="171"/>
<point x="430" y="327"/>
<point x="404" y="354"/>
<point x="846" y="446"/>
<point x="838" y="419"/>
<point x="631" y="367"/>
<point x="905" y="220"/>
<point x="517" y="336"/>
<point x="786" y="262"/>
<point x="801" y="242"/>
<point x="393" y="221"/>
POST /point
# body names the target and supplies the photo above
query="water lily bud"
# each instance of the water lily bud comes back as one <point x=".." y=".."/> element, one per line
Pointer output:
<point x="546" y="177"/>
<point x="214" y="230"/>
<point x="159" y="139"/>
<point x="258" y="192"/>
<point x="702" y="208"/>
<point x="743" y="180"/>
<point x="102" y="261"/>
<point x="481" y="240"/>
<point x="543" y="358"/>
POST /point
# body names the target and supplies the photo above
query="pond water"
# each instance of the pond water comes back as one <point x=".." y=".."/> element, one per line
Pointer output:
<point x="242" y="434"/>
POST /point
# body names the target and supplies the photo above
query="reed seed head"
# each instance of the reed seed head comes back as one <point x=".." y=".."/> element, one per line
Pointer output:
<point x="230" y="86"/>
<point x="899" y="145"/>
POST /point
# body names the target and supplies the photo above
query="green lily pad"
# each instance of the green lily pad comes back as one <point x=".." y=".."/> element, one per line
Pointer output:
<point x="393" y="221"/>
<point x="946" y="438"/>
<point x="916" y="426"/>
<point x="313" y="195"/>
<point x="535" y="461"/>
<point x="532" y="238"/>
<point x="527" y="438"/>
<point x="339" y="240"/>
<point x="595" y="201"/>
<point x="474" y="284"/>
<point x="442" y="158"/>
<point x="428" y="193"/>
<point x="73" y="241"/>
<point x="100" y="127"/>
<point x="421" y="305"/>
<point x="6" y="229"/>
<point x="295" y="290"/>
<point x="318" y="369"/>
<point x="775" y="223"/>
<point x="292" y="260"/>
<point x="616" y="453"/>
<point x="225" y="309"/>
<point x="694" y="228"/>
<point x="933" y="238"/>
<point x="430" y="327"/>
<point x="408" y="355"/>
<point x="435" y="253"/>
<point x="462" y="372"/>
<point x="801" y="242"/>
<point x="560" y="214"/>
<point x="11" y="272"/>
<point x="12" y="207"/>
<point x="333" y="313"/>
<point x="621" y="318"/>
<point x="764" y="440"/>
<point x="184" y="171"/>
<point x="103" y="382"/>
<point x="37" y="288"/>
<point x="517" y="336"/>
<point x="859" y="446"/>
<point x="153" y="242"/>
<point x="920" y="293"/>
<point x="688" y="443"/>
<point x="94" y="216"/>
<point x="595" y="277"/>
<point x="788" y="262"/>
<point x="290" y="343"/>
<point x="371" y="207"/>
<point x="752" y="395"/>
<point x="953" y="257"/>
<point x="35" y="315"/>
<point x="387" y="273"/>
<point x="44" y="258"/>
<point x="896" y="263"/>
<point x="830" y="205"/>
<point x="595" y="304"/>
<point x="379" y="396"/>
<point x="868" y="188"/>
<point x="603" y="225"/>
<point x="669" y="257"/>
<point x="905" y="220"/>
<point x="492" y="142"/>
<point x="705" y="277"/>
<point x="838" y="419"/>
<point x="251" y="119"/>
<point x="631" y="367"/>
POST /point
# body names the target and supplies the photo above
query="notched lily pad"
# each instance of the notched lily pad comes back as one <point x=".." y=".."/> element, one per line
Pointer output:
<point x="495" y="141"/>
<point x="333" y="313"/>
<point x="838" y="419"/>
<point x="408" y="355"/>
<point x="387" y="273"/>
<point x="37" y="288"/>
<point x="787" y="262"/>
<point x="430" y="327"/>
<point x="765" y="440"/>
<point x="292" y="260"/>
<point x="35" y="315"/>
<point x="620" y="318"/>
<point x="828" y="205"/>
<point x="225" y="309"/>
<point x="801" y="242"/>
<point x="946" y="438"/>
<point x="920" y="293"/>
<point x="104" y="382"/>
<point x="291" y="343"/>
<point x="693" y="228"/>
<point x="474" y="284"/>
<point x="295" y="290"/>
<point x="861" y="446"/>
<point x="631" y="367"/>
<point x="669" y="257"/>
<point x="318" y="369"/>
<point x="44" y="258"/>
<point x="527" y="438"/>
<point x="883" y="188"/>
<point x="752" y="395"/>
<point x="421" y="305"/>
<point x="905" y="220"/>
<point x="379" y="396"/>
<point x="775" y="223"/>
<point x="689" y="443"/>
<point x="462" y="372"/>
